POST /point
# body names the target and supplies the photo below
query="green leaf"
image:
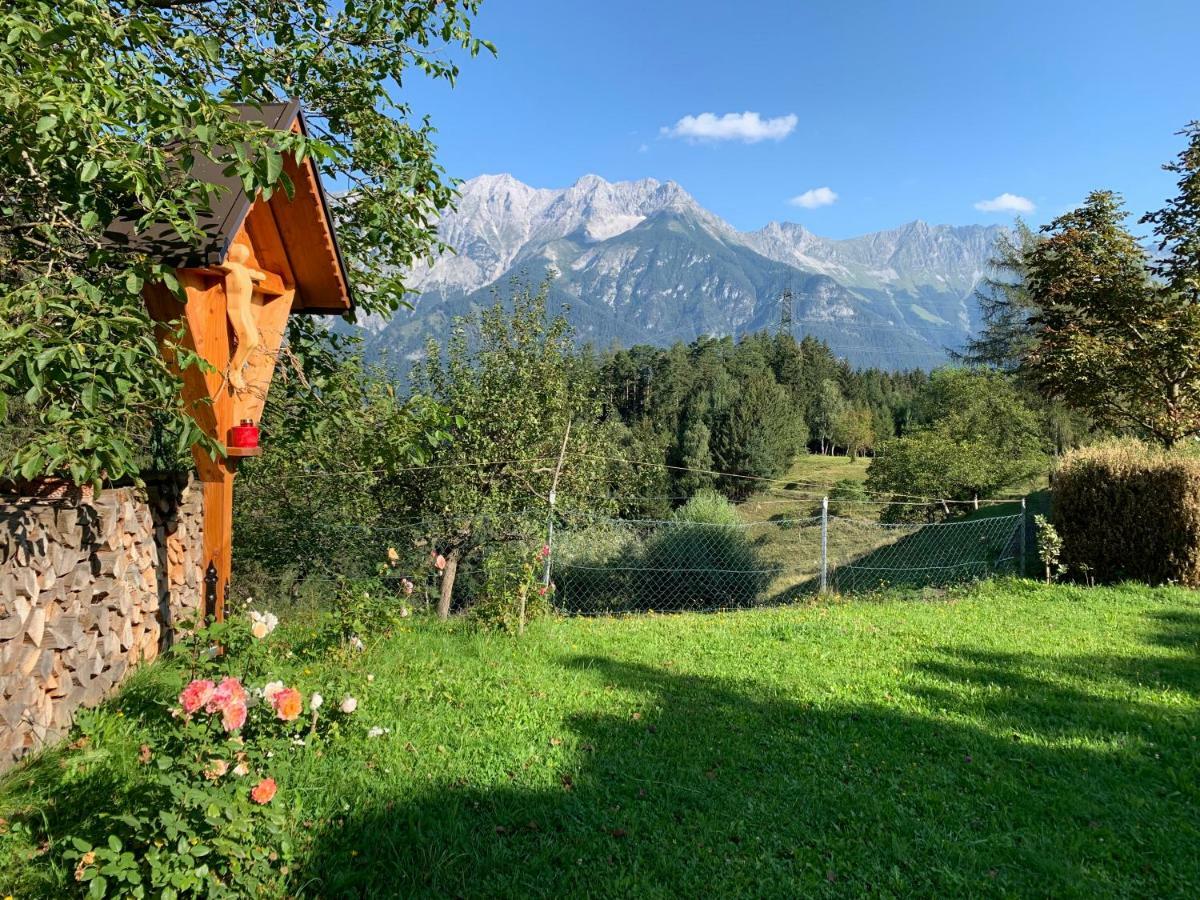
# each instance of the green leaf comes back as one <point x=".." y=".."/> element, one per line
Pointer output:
<point x="46" y="123"/>
<point x="274" y="166"/>
<point x="90" y="170"/>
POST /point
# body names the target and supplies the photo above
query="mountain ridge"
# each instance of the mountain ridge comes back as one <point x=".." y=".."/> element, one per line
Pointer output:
<point x="643" y="262"/>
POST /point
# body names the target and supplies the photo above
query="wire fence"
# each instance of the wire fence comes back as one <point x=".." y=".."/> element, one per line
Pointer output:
<point x="765" y="551"/>
<point x="613" y="565"/>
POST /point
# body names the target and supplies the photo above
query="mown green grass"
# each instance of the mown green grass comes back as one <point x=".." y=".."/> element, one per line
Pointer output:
<point x="809" y="469"/>
<point x="1005" y="739"/>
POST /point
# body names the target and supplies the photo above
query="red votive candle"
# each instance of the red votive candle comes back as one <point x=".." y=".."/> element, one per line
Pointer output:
<point x="244" y="435"/>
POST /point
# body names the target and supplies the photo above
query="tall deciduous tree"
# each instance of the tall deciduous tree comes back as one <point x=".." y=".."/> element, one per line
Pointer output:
<point x="1109" y="338"/>
<point x="854" y="429"/>
<point x="104" y="106"/>
<point x="827" y="404"/>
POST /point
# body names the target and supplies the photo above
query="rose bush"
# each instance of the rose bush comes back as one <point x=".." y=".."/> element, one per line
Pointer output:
<point x="210" y="819"/>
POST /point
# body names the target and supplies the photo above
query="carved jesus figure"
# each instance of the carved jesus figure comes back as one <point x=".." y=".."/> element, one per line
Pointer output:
<point x="239" y="292"/>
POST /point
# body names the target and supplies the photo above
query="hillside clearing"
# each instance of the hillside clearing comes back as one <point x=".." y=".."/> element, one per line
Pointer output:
<point x="1009" y="738"/>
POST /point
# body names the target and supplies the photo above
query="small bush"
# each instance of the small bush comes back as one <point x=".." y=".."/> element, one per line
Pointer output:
<point x="365" y="607"/>
<point x="513" y="591"/>
<point x="592" y="567"/>
<point x="1129" y="511"/>
<point x="844" y="498"/>
<point x="1049" y="546"/>
<point x="702" y="558"/>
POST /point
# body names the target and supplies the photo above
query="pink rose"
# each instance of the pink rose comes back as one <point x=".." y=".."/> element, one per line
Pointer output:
<point x="195" y="695"/>
<point x="229" y="691"/>
<point x="233" y="716"/>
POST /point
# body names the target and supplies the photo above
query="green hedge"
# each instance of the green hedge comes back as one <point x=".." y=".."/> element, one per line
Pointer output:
<point x="1129" y="511"/>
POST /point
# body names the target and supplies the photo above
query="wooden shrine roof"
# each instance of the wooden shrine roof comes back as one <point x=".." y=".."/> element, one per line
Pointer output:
<point x="305" y="223"/>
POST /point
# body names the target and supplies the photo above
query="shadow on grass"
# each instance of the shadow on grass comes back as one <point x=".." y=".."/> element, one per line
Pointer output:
<point x="985" y="774"/>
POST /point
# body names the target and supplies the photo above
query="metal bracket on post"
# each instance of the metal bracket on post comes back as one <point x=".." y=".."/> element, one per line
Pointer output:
<point x="824" y="544"/>
<point x="210" y="592"/>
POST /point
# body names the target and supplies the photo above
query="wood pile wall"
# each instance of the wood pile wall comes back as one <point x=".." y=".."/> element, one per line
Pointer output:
<point x="89" y="588"/>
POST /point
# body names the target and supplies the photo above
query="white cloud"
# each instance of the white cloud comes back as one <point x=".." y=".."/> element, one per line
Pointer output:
<point x="1006" y="203"/>
<point x="815" y="197"/>
<point x="748" y="127"/>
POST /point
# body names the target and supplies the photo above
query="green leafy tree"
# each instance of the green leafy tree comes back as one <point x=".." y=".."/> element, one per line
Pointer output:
<point x="1117" y="336"/>
<point x="854" y="429"/>
<point x="104" y="106"/>
<point x="510" y="378"/>
<point x="334" y="479"/>
<point x="981" y="438"/>
<point x="827" y="404"/>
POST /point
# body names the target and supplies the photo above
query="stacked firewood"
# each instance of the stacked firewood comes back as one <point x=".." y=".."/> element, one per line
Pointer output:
<point x="88" y="589"/>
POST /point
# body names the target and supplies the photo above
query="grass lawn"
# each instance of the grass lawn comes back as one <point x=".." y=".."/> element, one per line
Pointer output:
<point x="1005" y="739"/>
<point x="811" y="469"/>
<point x="862" y="555"/>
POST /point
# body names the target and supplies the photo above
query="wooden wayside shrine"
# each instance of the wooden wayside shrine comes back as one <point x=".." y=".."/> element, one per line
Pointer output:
<point x="262" y="261"/>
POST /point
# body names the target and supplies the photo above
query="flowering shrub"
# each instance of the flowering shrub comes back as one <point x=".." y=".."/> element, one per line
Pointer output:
<point x="210" y="818"/>
<point x="205" y="825"/>
<point x="371" y="606"/>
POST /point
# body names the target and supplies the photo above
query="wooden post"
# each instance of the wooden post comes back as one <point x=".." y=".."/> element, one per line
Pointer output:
<point x="218" y="531"/>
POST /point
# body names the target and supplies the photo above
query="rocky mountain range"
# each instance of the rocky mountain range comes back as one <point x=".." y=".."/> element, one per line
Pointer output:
<point x="643" y="262"/>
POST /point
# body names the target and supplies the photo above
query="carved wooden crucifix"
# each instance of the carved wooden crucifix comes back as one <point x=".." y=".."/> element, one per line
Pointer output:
<point x="265" y="260"/>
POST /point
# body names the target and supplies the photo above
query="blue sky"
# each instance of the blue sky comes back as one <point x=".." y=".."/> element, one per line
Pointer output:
<point x="903" y="110"/>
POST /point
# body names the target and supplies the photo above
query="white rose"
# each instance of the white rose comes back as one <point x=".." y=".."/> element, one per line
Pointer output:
<point x="270" y="689"/>
<point x="349" y="705"/>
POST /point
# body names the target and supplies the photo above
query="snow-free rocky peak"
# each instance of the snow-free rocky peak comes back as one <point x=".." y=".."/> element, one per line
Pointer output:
<point x="642" y="261"/>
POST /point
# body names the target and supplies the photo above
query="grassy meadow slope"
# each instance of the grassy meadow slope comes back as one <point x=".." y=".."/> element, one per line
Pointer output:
<point x="1004" y="739"/>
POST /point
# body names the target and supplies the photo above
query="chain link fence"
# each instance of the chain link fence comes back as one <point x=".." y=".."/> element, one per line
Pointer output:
<point x="758" y="553"/>
<point x="622" y="566"/>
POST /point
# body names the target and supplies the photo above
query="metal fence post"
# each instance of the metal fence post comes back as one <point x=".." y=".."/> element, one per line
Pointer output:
<point x="1021" y="546"/>
<point x="824" y="544"/>
<point x="549" y="542"/>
